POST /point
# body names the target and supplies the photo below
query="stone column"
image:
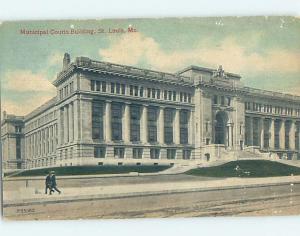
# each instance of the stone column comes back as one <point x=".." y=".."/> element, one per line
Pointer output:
<point x="161" y="138"/>
<point x="144" y="124"/>
<point x="107" y="121"/>
<point x="191" y="129"/>
<point x="262" y="133"/>
<point x="229" y="128"/>
<point x="282" y="135"/>
<point x="298" y="130"/>
<point x="66" y="122"/>
<point x="176" y="126"/>
<point x="250" y="131"/>
<point x="71" y="122"/>
<point x="59" y="126"/>
<point x="292" y="135"/>
<point x="86" y="119"/>
<point x="272" y="134"/>
<point x="76" y="120"/>
<point x="126" y="123"/>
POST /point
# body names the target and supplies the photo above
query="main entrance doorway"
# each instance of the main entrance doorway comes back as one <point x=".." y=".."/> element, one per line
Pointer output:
<point x="221" y="132"/>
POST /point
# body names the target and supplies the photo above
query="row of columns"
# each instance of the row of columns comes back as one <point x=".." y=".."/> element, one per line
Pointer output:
<point x="67" y="118"/>
<point x="41" y="142"/>
<point x="144" y="124"/>
<point x="273" y="134"/>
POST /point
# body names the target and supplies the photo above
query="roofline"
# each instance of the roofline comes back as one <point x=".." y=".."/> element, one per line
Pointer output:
<point x="85" y="62"/>
<point x="199" y="68"/>
<point x="50" y="103"/>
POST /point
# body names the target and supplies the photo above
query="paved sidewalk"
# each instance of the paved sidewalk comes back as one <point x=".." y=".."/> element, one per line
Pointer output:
<point x="31" y="195"/>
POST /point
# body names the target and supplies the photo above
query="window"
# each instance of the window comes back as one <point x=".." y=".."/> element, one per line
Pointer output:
<point x="18" y="129"/>
<point x="215" y="99"/>
<point x="112" y="87"/>
<point x="154" y="153"/>
<point x="222" y="100"/>
<point x="174" y="95"/>
<point x="136" y="91"/>
<point x="131" y="90"/>
<point x="152" y="124"/>
<point x="171" y="153"/>
<point x="119" y="152"/>
<point x="97" y="85"/>
<point x="118" y="88"/>
<point x="141" y="92"/>
<point x="228" y="101"/>
<point x="67" y="90"/>
<point x="165" y="94"/>
<point x="189" y="98"/>
<point x="116" y="121"/>
<point x="103" y="86"/>
<point x="148" y="92"/>
<point x="99" y="152"/>
<point x="184" y="120"/>
<point x="97" y="120"/>
<point x="185" y="97"/>
<point x="186" y="154"/>
<point x="158" y="93"/>
<point x="123" y="88"/>
<point x="72" y="87"/>
<point x="153" y="93"/>
<point x="93" y="85"/>
<point x="170" y="95"/>
<point x="18" y="148"/>
<point x="207" y="141"/>
<point x="137" y="153"/>
<point x="168" y="127"/>
<point x="134" y="123"/>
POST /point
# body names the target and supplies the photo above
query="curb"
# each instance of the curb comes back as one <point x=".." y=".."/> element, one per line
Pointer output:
<point x="139" y="194"/>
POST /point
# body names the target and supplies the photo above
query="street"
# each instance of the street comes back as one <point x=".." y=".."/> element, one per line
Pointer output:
<point x="281" y="199"/>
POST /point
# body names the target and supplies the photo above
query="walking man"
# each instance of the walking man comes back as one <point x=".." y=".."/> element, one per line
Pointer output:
<point x="53" y="183"/>
<point x="48" y="183"/>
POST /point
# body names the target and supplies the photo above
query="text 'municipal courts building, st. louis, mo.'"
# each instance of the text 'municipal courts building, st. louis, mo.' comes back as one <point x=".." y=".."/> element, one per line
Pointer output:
<point x="106" y="113"/>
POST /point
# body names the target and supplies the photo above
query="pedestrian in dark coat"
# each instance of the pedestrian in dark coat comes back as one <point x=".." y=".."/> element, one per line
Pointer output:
<point x="53" y="184"/>
<point x="48" y="183"/>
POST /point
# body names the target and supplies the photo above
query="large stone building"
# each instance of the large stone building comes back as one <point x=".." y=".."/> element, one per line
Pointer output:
<point x="106" y="113"/>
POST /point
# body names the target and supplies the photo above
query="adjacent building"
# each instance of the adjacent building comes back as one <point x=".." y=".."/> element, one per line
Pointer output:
<point x="106" y="113"/>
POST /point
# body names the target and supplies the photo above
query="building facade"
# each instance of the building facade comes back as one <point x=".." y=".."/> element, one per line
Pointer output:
<point x="107" y="113"/>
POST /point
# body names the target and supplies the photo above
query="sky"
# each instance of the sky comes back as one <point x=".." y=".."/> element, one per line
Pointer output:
<point x="265" y="51"/>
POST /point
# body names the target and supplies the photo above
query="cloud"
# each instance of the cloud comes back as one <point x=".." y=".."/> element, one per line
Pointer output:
<point x="134" y="48"/>
<point x="27" y="106"/>
<point x="27" y="81"/>
<point x="55" y="58"/>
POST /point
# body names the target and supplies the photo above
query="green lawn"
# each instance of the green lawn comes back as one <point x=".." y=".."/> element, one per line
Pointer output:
<point x="93" y="170"/>
<point x="247" y="169"/>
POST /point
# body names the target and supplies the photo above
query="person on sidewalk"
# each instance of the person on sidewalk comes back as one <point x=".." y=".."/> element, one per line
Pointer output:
<point x="53" y="183"/>
<point x="48" y="183"/>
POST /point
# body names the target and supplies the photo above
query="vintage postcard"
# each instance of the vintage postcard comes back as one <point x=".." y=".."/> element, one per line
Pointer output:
<point x="143" y="118"/>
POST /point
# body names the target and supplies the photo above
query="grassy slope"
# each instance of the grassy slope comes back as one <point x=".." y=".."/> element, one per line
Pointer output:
<point x="248" y="168"/>
<point x="92" y="170"/>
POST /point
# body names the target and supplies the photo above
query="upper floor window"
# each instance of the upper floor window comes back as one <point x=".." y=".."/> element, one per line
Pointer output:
<point x="222" y="100"/>
<point x="174" y="95"/>
<point x="112" y="87"/>
<point x="18" y="129"/>
<point x="141" y="92"/>
<point x="136" y="91"/>
<point x="123" y="88"/>
<point x="103" y="86"/>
